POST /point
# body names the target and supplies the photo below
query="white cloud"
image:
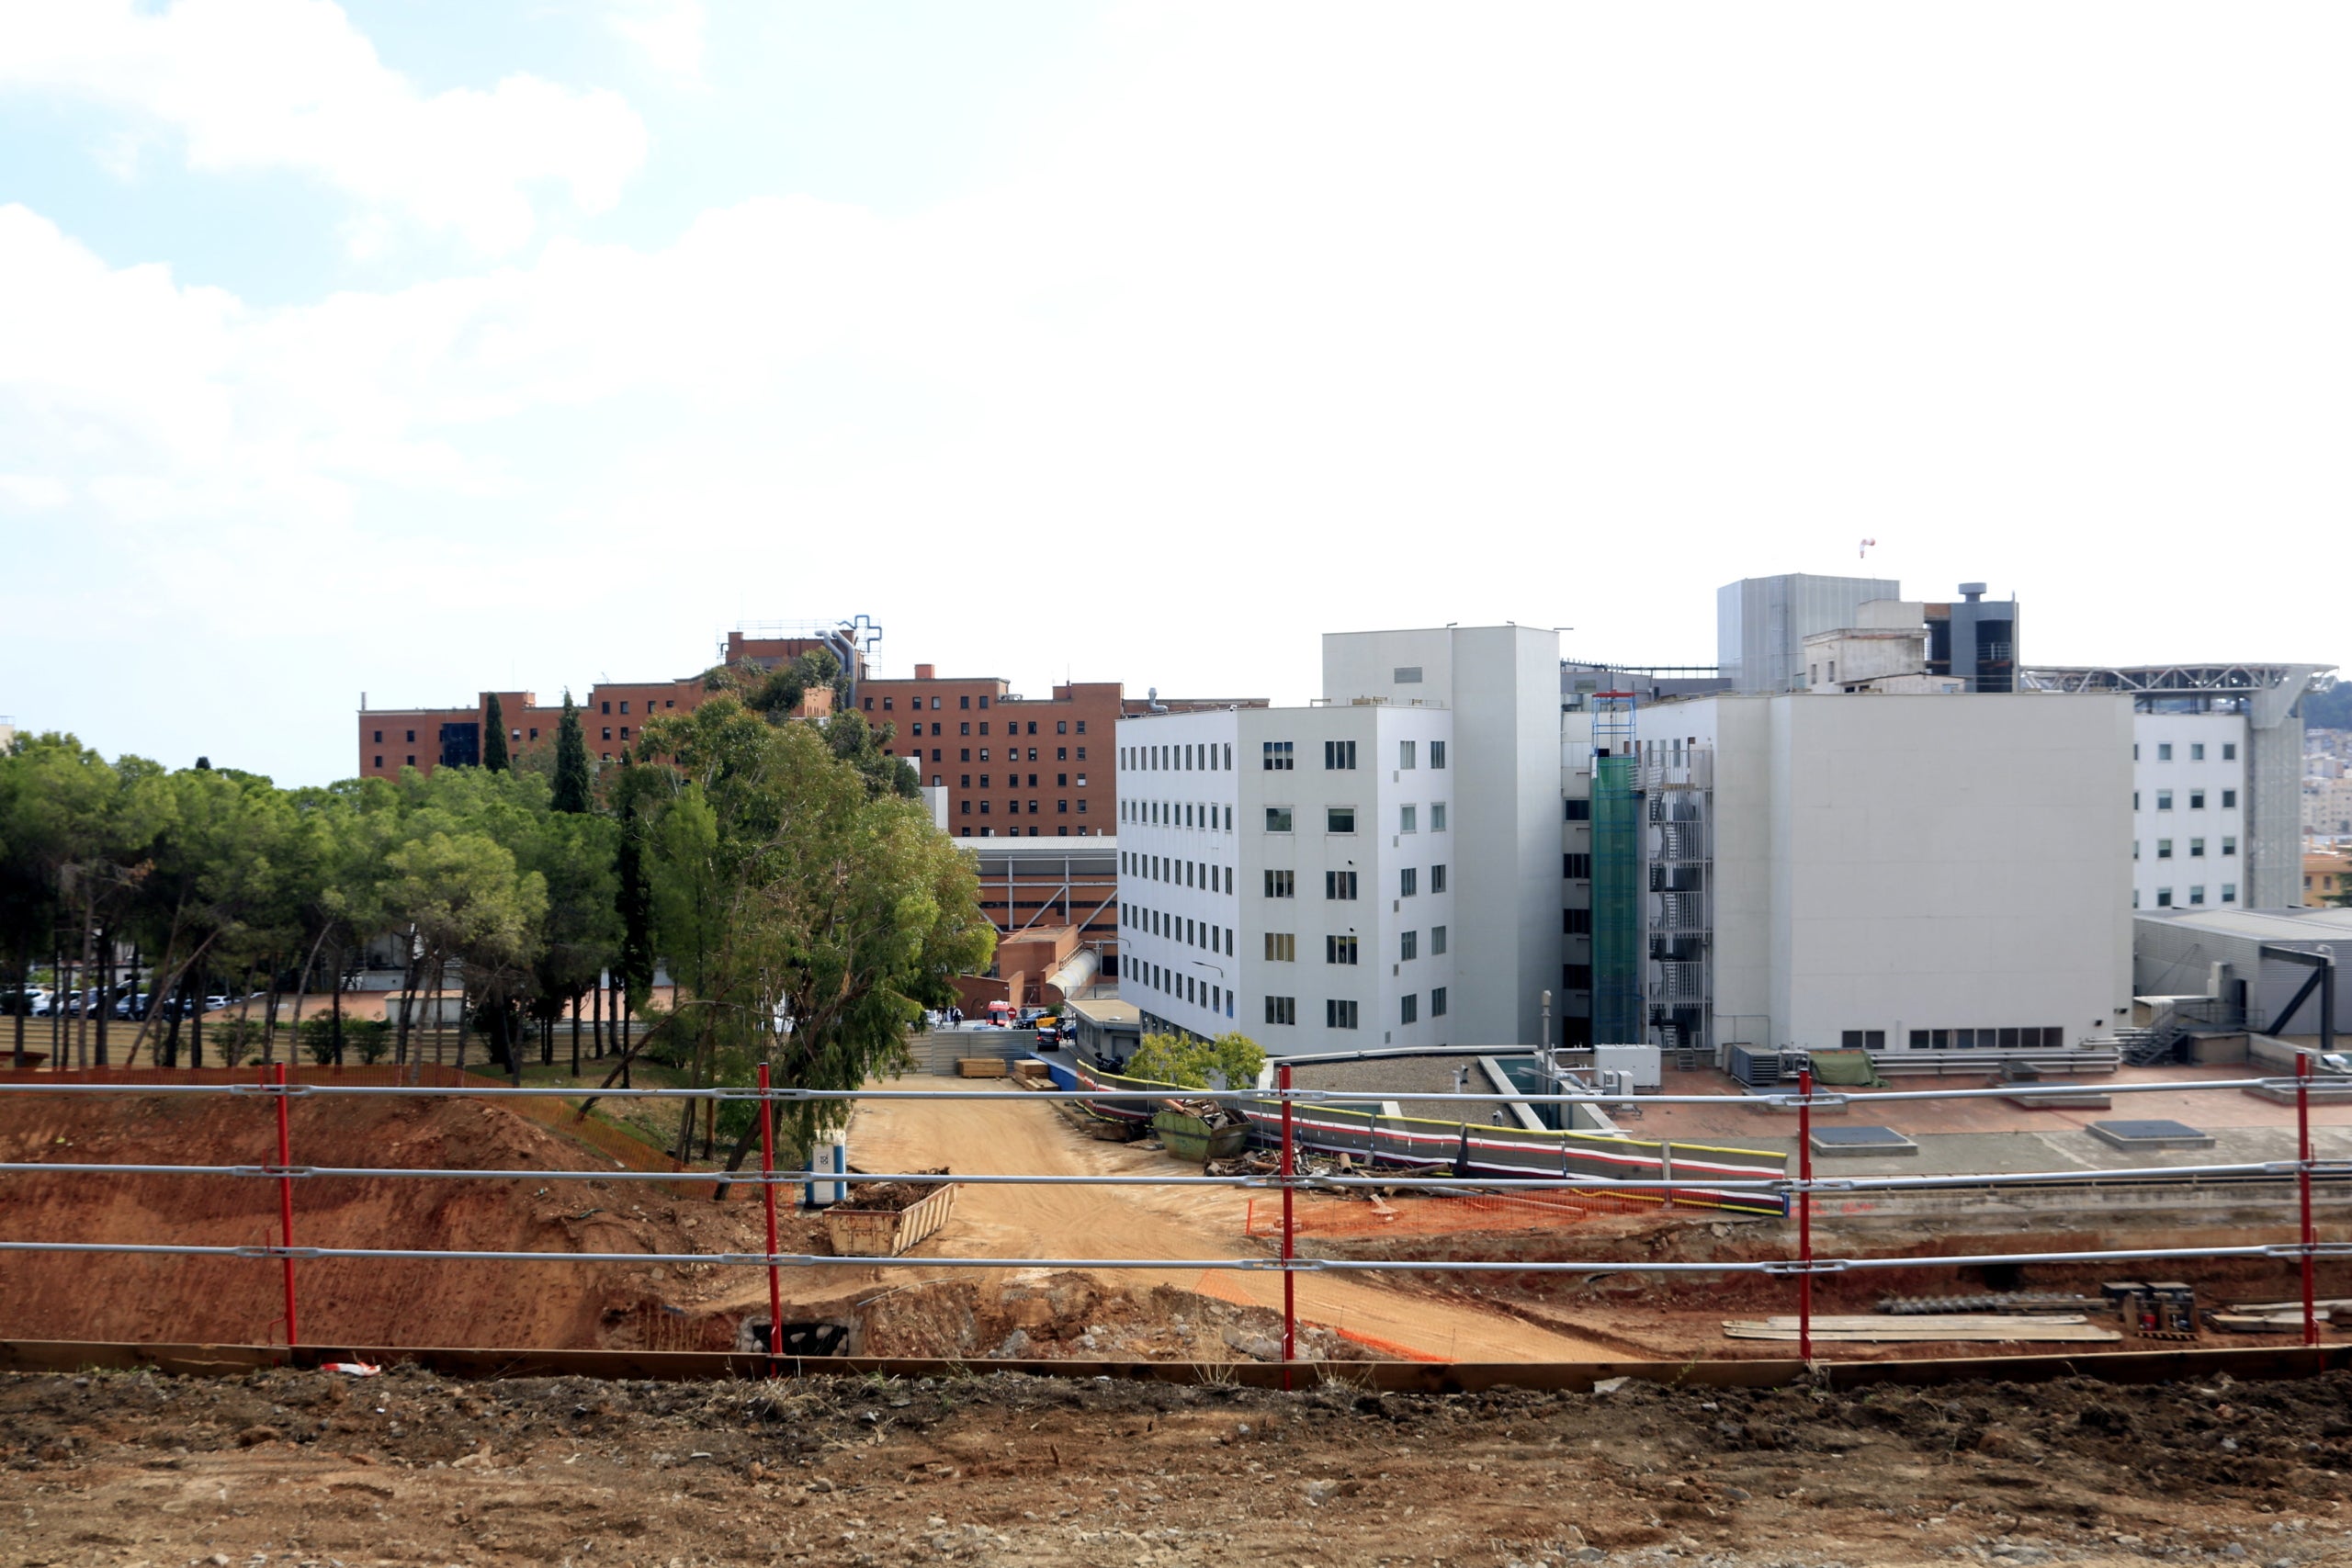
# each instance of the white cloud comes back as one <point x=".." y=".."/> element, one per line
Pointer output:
<point x="33" y="493"/>
<point x="668" y="32"/>
<point x="290" y="85"/>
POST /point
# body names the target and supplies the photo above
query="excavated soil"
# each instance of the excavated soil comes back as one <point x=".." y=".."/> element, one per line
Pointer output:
<point x="296" y="1468"/>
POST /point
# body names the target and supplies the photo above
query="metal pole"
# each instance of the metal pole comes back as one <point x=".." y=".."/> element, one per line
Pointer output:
<point x="285" y="1204"/>
<point x="2303" y="1192"/>
<point x="1290" y="1247"/>
<point x="1804" y="1214"/>
<point x="767" y="1196"/>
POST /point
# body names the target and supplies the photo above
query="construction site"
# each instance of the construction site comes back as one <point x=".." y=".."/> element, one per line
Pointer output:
<point x="1381" y="1294"/>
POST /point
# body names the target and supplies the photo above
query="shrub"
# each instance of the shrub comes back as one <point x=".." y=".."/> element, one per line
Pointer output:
<point x="234" y="1039"/>
<point x="370" y="1038"/>
<point x="1231" y="1060"/>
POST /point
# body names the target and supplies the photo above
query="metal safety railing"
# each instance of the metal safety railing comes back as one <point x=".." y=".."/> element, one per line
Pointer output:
<point x="273" y="1088"/>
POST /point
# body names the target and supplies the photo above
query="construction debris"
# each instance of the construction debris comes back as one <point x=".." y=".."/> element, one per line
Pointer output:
<point x="1980" y="1327"/>
<point x="2020" y="1301"/>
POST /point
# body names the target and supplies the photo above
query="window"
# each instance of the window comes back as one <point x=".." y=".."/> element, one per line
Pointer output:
<point x="604" y="757"/>
<point x="869" y="704"/>
<point x="379" y="738"/>
<point x="1061" y="753"/>
<point x="1340" y="819"/>
<point x="1437" y="816"/>
<point x="2163" y="898"/>
<point x="1576" y="867"/>
<point x="535" y="734"/>
<point x="1408" y="881"/>
<point x="608" y="732"/>
<point x="1578" y="810"/>
<point x="2229" y="800"/>
<point x="2163" y="849"/>
<point x="379" y="760"/>
<point x="1408" y="942"/>
<point x="1409" y="1010"/>
<point x="1061" y="808"/>
<point x="1281" y="885"/>
<point x="2197" y="894"/>
<point x="1437" y="879"/>
<point x="1575" y="922"/>
<point x="412" y="735"/>
<point x="1061" y="726"/>
<point x="1278" y="820"/>
<point x="1339" y="884"/>
<point x="1338" y="1014"/>
<point x="2229" y="844"/>
<point x="1282" y="947"/>
<point x="962" y="808"/>
<point x="1338" y="950"/>
<point x="2196" y="849"/>
<point x="1408" y="819"/>
<point x="1282" y="1009"/>
<point x="2229" y="750"/>
<point x="984" y="753"/>
<point x="1437" y="1001"/>
<point x="1872" y="1039"/>
<point x="2196" y="800"/>
<point x="1437" y="944"/>
<point x="1082" y="729"/>
<point x="984" y="701"/>
<point x="1576" y="977"/>
<point x="2164" y="800"/>
<point x="1409" y="675"/>
<point x="607" y="707"/>
<point x="1437" y="754"/>
<point x="2164" y="750"/>
<point x="2196" y="751"/>
<point x="1339" y="756"/>
<point x="1405" y="750"/>
<point x="2229" y="892"/>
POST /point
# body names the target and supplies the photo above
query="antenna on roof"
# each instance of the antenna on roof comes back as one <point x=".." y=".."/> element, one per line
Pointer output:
<point x="1865" y="551"/>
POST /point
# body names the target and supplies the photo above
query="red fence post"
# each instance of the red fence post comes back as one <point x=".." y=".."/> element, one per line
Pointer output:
<point x="767" y="1196"/>
<point x="1290" y="1250"/>
<point x="1804" y="1214"/>
<point x="285" y="1203"/>
<point x="2303" y="1192"/>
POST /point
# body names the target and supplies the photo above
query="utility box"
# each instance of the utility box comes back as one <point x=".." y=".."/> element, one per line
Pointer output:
<point x="1643" y="1065"/>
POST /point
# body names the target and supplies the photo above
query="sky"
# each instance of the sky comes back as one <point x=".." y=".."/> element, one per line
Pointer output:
<point x="414" y="348"/>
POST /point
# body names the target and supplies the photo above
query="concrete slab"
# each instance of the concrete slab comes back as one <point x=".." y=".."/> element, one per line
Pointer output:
<point x="1861" y="1143"/>
<point x="2149" y="1133"/>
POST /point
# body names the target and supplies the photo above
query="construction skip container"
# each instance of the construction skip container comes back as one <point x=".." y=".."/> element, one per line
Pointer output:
<point x="886" y="1233"/>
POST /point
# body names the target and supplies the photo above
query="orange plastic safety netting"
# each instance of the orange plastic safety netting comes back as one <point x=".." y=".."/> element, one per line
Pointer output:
<point x="1410" y="1215"/>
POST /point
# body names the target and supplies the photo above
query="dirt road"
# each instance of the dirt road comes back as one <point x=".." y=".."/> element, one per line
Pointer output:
<point x="1030" y="1137"/>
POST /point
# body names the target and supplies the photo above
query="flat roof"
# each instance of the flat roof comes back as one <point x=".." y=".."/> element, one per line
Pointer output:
<point x="2262" y="925"/>
<point x="1104" y="1009"/>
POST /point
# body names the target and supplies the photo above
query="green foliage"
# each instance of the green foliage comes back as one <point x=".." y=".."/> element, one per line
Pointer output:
<point x="574" y="782"/>
<point x="493" y="737"/>
<point x="317" y="1035"/>
<point x="233" y="1038"/>
<point x="1230" y="1061"/>
<point x="368" y="1038"/>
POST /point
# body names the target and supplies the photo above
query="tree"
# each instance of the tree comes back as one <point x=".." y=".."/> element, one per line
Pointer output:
<point x="468" y="904"/>
<point x="861" y="745"/>
<point x="1232" y="1060"/>
<point x="808" y="918"/>
<point x="493" y="740"/>
<point x="574" y="783"/>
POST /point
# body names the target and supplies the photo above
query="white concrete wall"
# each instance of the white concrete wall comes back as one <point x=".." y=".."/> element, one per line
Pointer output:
<point x="1179" y="838"/>
<point x="1900" y="863"/>
<point x="2186" y="879"/>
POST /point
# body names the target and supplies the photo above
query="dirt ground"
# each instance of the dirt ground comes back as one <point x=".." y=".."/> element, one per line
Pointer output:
<point x="312" y="1468"/>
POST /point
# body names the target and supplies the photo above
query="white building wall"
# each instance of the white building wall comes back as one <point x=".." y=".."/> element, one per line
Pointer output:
<point x="1162" y="887"/>
<point x="2188" y="759"/>
<point x="1902" y="864"/>
<point x="1502" y="687"/>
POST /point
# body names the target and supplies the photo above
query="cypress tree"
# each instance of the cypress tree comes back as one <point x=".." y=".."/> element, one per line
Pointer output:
<point x="494" y="742"/>
<point x="636" y="911"/>
<point x="571" y="778"/>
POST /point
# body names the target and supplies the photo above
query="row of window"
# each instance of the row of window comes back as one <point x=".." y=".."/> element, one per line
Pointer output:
<point x="1341" y="885"/>
<point x="1013" y="807"/>
<point x="2196" y="848"/>
<point x="1192" y="989"/>
<point x="1344" y="1013"/>
<point x="1187" y="757"/>
<point x="1012" y="754"/>
<point x="2048" y="1038"/>
<point x="1015" y="832"/>
<point x="666" y="702"/>
<point x="1282" y="947"/>
<point x="1178" y="813"/>
<point x="1012" y="726"/>
<point x="1178" y="872"/>
<point x="1178" y="927"/>
<point x="1340" y="756"/>
<point x="2196" y="752"/>
<point x="2196" y="800"/>
<point x="1013" y="781"/>
<point x="2196" y="894"/>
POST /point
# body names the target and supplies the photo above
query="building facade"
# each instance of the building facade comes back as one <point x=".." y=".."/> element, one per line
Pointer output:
<point x="1829" y="870"/>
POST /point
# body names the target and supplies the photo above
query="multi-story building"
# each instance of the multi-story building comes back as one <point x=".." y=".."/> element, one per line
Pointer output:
<point x="1366" y="871"/>
<point x="1763" y="626"/>
<point x="1832" y="869"/>
<point x="2217" y="776"/>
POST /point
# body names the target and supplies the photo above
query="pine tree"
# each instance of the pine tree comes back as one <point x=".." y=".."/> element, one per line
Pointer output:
<point x="572" y="777"/>
<point x="494" y="744"/>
